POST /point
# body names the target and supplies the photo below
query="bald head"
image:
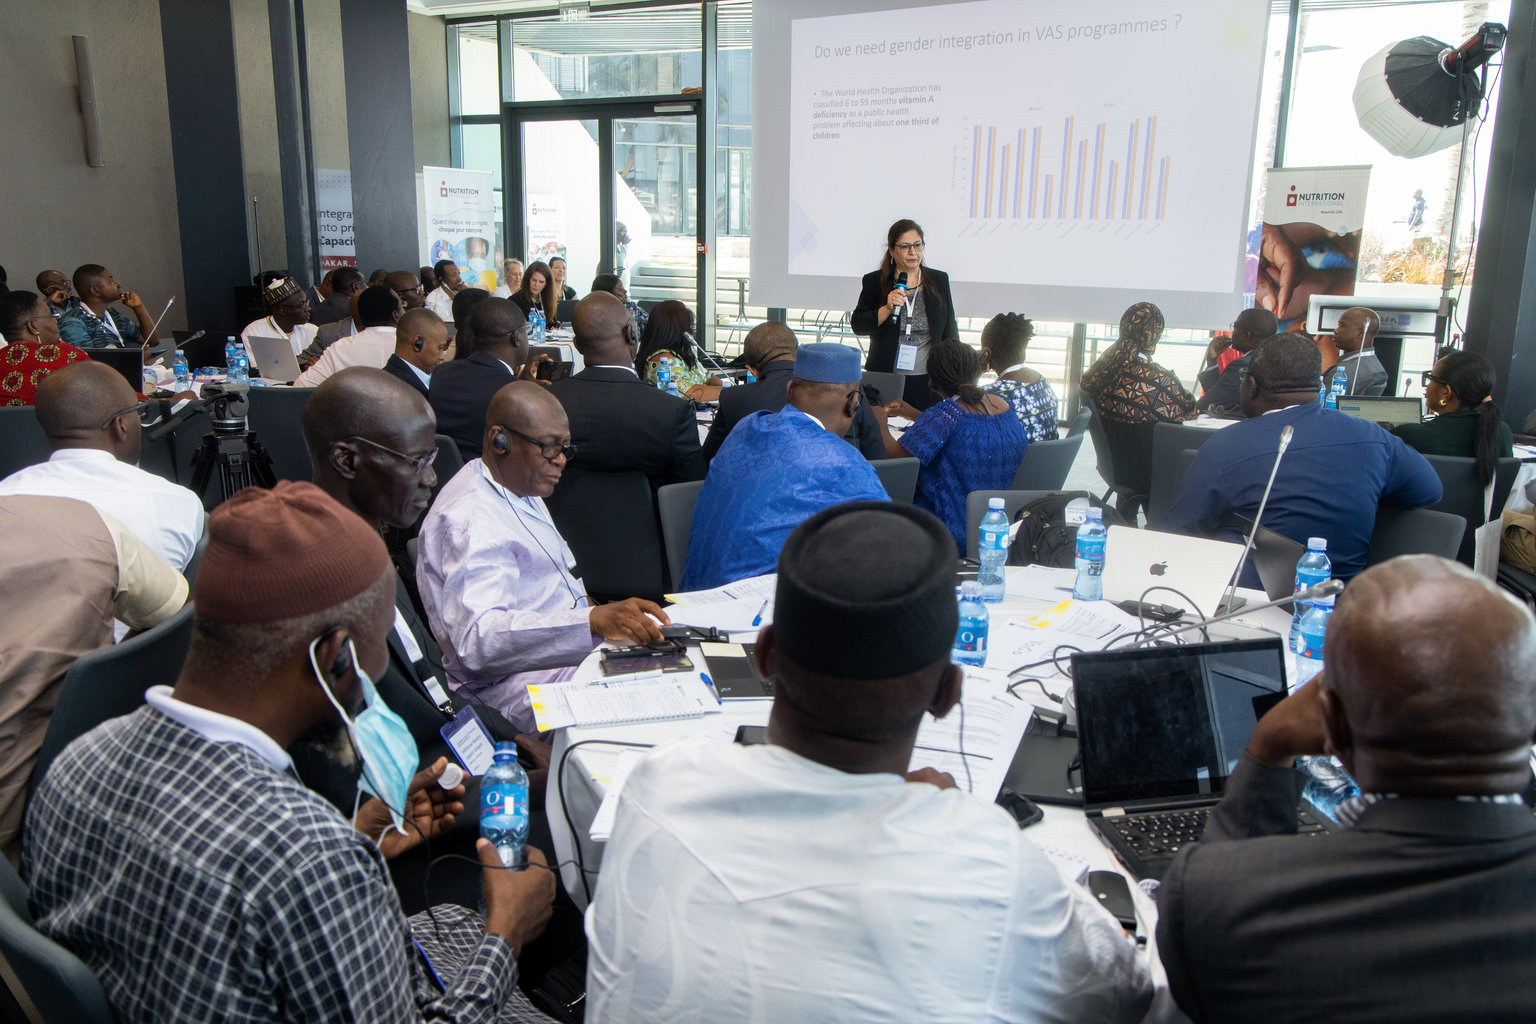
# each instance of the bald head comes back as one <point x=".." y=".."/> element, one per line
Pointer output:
<point x="522" y="405"/>
<point x="1357" y="329"/>
<point x="1430" y="687"/>
<point x="769" y="341"/>
<point x="360" y="401"/>
<point x="421" y="339"/>
<point x="605" y="331"/>
<point x="1251" y="327"/>
<point x="521" y="419"/>
<point x="73" y="402"/>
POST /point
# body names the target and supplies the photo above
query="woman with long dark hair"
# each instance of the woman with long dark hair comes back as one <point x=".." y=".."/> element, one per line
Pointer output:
<point x="535" y="292"/>
<point x="1003" y="342"/>
<point x="668" y="334"/>
<point x="561" y="290"/>
<point x="1467" y="420"/>
<point x="903" y="324"/>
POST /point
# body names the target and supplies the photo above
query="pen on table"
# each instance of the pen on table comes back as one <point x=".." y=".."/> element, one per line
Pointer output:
<point x="757" y="620"/>
<point x="628" y="677"/>
<point x="711" y="684"/>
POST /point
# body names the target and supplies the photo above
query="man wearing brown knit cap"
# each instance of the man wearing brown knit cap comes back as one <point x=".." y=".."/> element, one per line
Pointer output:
<point x="174" y="851"/>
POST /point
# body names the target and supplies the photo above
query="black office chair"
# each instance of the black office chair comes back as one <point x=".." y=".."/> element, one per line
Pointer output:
<point x="1463" y="494"/>
<point x="675" y="504"/>
<point x="976" y="507"/>
<point x="898" y="477"/>
<point x="1123" y="452"/>
<point x="170" y="457"/>
<point x="275" y="418"/>
<point x="44" y="981"/>
<point x="887" y="387"/>
<point x="609" y="520"/>
<point x="448" y="462"/>
<point x="1046" y="464"/>
<point x="22" y="441"/>
<point x="1414" y="531"/>
<point x="111" y="682"/>
<point x="1518" y="582"/>
<point x="1169" y="440"/>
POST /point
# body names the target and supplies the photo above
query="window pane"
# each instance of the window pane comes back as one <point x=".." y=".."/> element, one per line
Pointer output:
<point x="482" y="152"/>
<point x="639" y="52"/>
<point x="561" y="213"/>
<point x="479" y="91"/>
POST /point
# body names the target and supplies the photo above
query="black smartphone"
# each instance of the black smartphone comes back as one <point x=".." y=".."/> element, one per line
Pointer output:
<point x="1024" y="810"/>
<point x="1114" y="895"/>
<point x="751" y="735"/>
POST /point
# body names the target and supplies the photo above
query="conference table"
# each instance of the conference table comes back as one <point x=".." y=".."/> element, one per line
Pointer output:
<point x="1029" y="620"/>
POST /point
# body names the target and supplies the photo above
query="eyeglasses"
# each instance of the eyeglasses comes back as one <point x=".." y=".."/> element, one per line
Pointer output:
<point x="52" y="315"/>
<point x="551" y="450"/>
<point x="910" y="246"/>
<point x="149" y="414"/>
<point x="418" y="463"/>
<point x="1427" y="376"/>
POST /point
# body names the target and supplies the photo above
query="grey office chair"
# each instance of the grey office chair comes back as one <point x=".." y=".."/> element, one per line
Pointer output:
<point x="888" y="386"/>
<point x="1169" y="441"/>
<point x="609" y="520"/>
<point x="674" y="503"/>
<point x="1414" y="531"/>
<point x="1079" y="422"/>
<point x="274" y="417"/>
<point x="898" y="477"/>
<point x="1463" y="494"/>
<point x="976" y="507"/>
<point x="44" y="982"/>
<point x="1046" y="464"/>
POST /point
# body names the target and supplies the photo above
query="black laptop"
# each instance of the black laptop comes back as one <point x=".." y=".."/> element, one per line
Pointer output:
<point x="1159" y="732"/>
<point x="127" y="361"/>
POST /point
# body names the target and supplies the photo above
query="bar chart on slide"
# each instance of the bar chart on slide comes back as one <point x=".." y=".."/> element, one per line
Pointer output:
<point x="1071" y="169"/>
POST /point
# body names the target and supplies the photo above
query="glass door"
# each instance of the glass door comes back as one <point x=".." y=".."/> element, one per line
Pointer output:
<point x="560" y="218"/>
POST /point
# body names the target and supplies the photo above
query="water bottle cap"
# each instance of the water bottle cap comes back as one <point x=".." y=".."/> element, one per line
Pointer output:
<point x="452" y="776"/>
<point x="1317" y="543"/>
<point x="995" y="503"/>
<point x="506" y="751"/>
<point x="970" y="590"/>
<point x="1094" y="512"/>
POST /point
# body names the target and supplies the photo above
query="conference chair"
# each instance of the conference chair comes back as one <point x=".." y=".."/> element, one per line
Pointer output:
<point x="1518" y="582"/>
<point x="898" y="477"/>
<point x="44" y="982"/>
<point x="976" y="507"/>
<point x="1079" y="422"/>
<point x="274" y="417"/>
<point x="1463" y="494"/>
<point x="1123" y="452"/>
<point x="1046" y="464"/>
<point x="1169" y="441"/>
<point x="674" y="503"/>
<point x="609" y="520"/>
<point x="22" y="441"/>
<point x="886" y="387"/>
<point x="1414" y="531"/>
<point x="111" y="682"/>
<point x="170" y="457"/>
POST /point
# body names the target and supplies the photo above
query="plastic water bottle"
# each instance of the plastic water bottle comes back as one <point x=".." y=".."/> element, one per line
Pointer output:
<point x="1090" y="557"/>
<point x="1328" y="784"/>
<point x="231" y="345"/>
<point x="536" y="326"/>
<point x="182" y="372"/>
<point x="664" y="374"/>
<point x="1313" y="569"/>
<point x="1314" y="627"/>
<point x="971" y="637"/>
<point x="504" y="806"/>
<point x="994" y="552"/>
<point x="1340" y="386"/>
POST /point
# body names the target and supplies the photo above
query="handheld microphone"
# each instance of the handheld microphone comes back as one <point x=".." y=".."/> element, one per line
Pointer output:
<point x="1285" y="442"/>
<point x="901" y="283"/>
<point x="1327" y="588"/>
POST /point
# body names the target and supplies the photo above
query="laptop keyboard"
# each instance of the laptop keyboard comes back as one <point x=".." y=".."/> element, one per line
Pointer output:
<point x="1164" y="833"/>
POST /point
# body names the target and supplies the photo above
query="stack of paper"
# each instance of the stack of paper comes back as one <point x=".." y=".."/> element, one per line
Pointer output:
<point x="994" y="722"/>
<point x="734" y="608"/>
<point x="666" y="696"/>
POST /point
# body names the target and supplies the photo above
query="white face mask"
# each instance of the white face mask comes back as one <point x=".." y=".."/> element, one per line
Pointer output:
<point x="381" y="738"/>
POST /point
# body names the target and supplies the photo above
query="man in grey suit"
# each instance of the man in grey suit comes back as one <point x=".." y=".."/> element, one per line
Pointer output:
<point x="1418" y="908"/>
<point x="1353" y="337"/>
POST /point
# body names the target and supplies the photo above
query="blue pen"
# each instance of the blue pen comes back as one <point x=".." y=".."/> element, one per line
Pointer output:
<point x="711" y="684"/>
<point x="757" y="620"/>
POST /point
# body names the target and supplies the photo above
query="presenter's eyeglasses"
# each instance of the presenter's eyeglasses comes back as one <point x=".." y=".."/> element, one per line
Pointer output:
<point x="551" y="450"/>
<point x="418" y="463"/>
<point x="910" y="246"/>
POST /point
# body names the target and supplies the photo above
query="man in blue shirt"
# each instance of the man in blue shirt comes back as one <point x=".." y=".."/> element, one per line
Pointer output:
<point x="1334" y="472"/>
<point x="92" y="323"/>
<point x="777" y="469"/>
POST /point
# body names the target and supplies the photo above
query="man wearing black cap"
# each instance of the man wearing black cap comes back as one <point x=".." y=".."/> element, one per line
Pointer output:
<point x="814" y="879"/>
<point x="779" y="468"/>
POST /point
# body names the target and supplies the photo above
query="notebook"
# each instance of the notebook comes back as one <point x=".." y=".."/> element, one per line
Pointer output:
<point x="733" y="670"/>
<point x="274" y="358"/>
<point x="1383" y="408"/>
<point x="605" y="702"/>
<point x="1160" y="730"/>
<point x="1137" y="559"/>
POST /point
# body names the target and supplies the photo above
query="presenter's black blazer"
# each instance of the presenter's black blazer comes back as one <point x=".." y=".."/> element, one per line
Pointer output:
<point x="937" y="302"/>
<point x="619" y="422"/>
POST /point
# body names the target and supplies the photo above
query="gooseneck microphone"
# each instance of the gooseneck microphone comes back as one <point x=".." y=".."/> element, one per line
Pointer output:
<point x="1285" y="442"/>
<point x="1327" y="588"/>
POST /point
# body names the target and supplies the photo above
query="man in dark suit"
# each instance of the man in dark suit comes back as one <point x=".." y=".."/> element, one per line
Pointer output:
<point x="421" y="345"/>
<point x="1223" y="386"/>
<point x="461" y="389"/>
<point x="618" y="421"/>
<point x="770" y="354"/>
<point x="1419" y="907"/>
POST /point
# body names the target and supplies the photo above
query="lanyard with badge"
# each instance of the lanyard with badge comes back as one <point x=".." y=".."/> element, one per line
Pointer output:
<point x="906" y="353"/>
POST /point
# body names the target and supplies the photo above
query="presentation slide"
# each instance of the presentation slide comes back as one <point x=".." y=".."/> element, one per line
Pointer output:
<point x="1063" y="160"/>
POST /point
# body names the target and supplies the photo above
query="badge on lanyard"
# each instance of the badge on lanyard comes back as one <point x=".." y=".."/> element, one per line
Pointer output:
<point x="906" y="354"/>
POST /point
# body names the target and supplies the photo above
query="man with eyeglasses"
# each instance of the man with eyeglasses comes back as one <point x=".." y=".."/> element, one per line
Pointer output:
<point x="288" y="317"/>
<point x="777" y="469"/>
<point x="94" y="423"/>
<point x="33" y="348"/>
<point x="408" y="286"/>
<point x="55" y="287"/>
<point x="1223" y="389"/>
<point x="496" y="576"/>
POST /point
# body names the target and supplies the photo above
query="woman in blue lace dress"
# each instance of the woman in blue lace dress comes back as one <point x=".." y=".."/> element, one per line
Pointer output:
<point x="1003" y="342"/>
<point x="968" y="441"/>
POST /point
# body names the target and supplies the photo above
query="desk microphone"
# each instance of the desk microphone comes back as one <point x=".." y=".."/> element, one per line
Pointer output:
<point x="1327" y="588"/>
<point x="191" y="338"/>
<point x="1285" y="442"/>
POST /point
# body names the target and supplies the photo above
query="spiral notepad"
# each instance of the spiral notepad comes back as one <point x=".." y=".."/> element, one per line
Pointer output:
<point x="668" y="696"/>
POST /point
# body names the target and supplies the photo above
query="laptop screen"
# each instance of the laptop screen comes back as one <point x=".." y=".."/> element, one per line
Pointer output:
<point x="1395" y="411"/>
<point x="1170" y="721"/>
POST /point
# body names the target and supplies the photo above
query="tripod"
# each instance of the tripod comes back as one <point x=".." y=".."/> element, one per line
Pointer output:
<point x="238" y="456"/>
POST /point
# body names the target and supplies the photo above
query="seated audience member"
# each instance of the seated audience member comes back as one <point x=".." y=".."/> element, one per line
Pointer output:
<point x="558" y="288"/>
<point x="614" y="285"/>
<point x="329" y="334"/>
<point x="448" y="284"/>
<point x="1417" y="907"/>
<point x="511" y="279"/>
<point x="421" y="345"/>
<point x="777" y="469"/>
<point x="377" y="277"/>
<point x="1335" y="471"/>
<point x="287" y="317"/>
<point x="91" y="417"/>
<point x="55" y="287"/>
<point x="428" y="278"/>
<point x="92" y="323"/>
<point x="967" y="441"/>
<point x="668" y="335"/>
<point x="1459" y="391"/>
<point x="770" y="355"/>
<point x="461" y="389"/>
<point x="1003" y="342"/>
<point x="827" y="882"/>
<point x="378" y="311"/>
<point x="534" y="292"/>
<point x="1124" y="382"/>
<point x="33" y="348"/>
<point x="495" y="574"/>
<point x="459" y="330"/>
<point x="321" y="289"/>
<point x="345" y="283"/>
<point x="250" y="897"/>
<point x="66" y="571"/>
<point x="1353" y="337"/>
<point x="408" y="286"/>
<point x="618" y="422"/>
<point x="1223" y="394"/>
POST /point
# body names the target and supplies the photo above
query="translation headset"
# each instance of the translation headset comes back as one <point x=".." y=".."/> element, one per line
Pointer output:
<point x="343" y="662"/>
<point x="416" y="345"/>
<point x="500" y="444"/>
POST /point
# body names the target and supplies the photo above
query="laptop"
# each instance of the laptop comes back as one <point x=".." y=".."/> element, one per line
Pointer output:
<point x="274" y="358"/>
<point x="207" y="350"/>
<point x="1274" y="557"/>
<point x="1383" y="409"/>
<point x="127" y="361"/>
<point x="1137" y="559"/>
<point x="1160" y="730"/>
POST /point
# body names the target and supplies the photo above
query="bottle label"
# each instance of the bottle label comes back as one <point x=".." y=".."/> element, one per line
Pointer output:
<point x="503" y="798"/>
<point x="994" y="540"/>
<point x="1091" y="548"/>
<point x="971" y="641"/>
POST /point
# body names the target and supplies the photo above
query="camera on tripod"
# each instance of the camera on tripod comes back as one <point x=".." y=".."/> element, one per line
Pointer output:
<point x="231" y="446"/>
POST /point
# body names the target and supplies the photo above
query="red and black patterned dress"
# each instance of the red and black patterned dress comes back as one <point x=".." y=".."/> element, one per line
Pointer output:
<point x="24" y="365"/>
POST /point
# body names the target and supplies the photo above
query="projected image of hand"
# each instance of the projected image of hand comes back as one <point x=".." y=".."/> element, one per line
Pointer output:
<point x="1287" y="277"/>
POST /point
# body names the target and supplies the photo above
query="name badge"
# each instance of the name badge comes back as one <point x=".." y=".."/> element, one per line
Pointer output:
<point x="470" y="742"/>
<point x="906" y="354"/>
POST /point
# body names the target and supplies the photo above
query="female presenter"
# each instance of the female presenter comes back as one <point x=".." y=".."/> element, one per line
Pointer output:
<point x="903" y="318"/>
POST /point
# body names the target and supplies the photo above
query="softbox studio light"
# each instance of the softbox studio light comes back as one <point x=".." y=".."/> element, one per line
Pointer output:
<point x="1415" y="95"/>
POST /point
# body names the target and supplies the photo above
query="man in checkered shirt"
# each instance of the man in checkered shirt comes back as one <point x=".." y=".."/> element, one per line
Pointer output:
<point x="175" y="852"/>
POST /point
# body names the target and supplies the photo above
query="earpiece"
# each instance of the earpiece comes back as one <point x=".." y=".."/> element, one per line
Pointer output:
<point x="499" y="443"/>
<point x="342" y="664"/>
<point x="416" y="345"/>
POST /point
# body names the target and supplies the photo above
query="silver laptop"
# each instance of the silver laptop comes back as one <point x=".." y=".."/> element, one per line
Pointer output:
<point x="1137" y="559"/>
<point x="274" y="358"/>
<point x="1383" y="408"/>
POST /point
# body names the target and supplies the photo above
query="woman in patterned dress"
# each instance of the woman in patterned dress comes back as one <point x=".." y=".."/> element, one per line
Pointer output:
<point x="1003" y="342"/>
